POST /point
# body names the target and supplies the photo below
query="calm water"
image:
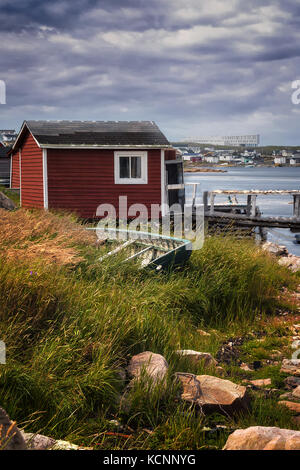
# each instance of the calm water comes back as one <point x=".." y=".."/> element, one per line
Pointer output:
<point x="254" y="178"/>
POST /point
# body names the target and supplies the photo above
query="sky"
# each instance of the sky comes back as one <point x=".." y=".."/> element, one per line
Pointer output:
<point x="195" y="67"/>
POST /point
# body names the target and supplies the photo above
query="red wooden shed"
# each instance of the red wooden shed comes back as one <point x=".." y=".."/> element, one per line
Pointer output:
<point x="77" y="166"/>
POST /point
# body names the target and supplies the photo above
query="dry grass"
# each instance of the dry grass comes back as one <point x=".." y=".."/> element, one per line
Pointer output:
<point x="31" y="235"/>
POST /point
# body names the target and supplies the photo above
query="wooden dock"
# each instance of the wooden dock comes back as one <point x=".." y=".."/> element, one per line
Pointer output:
<point x="249" y="215"/>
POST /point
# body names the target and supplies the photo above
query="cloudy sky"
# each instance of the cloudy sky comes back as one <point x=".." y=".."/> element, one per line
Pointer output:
<point x="196" y="67"/>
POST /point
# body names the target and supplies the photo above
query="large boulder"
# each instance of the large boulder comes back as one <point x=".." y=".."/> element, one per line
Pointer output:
<point x="292" y="262"/>
<point x="212" y="394"/>
<point x="274" y="249"/>
<point x="198" y="357"/>
<point x="263" y="438"/>
<point x="6" y="203"/>
<point x="38" y="441"/>
<point x="10" y="436"/>
<point x="153" y="365"/>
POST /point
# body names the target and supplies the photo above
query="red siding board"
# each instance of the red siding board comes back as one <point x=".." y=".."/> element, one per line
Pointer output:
<point x="15" y="171"/>
<point x="81" y="180"/>
<point x="32" y="192"/>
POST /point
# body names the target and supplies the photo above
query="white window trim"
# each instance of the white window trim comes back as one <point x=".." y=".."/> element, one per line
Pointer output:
<point x="144" y="167"/>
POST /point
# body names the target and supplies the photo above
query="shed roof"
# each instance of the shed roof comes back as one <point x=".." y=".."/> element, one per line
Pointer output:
<point x="96" y="134"/>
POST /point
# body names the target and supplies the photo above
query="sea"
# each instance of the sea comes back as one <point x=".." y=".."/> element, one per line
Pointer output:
<point x="248" y="178"/>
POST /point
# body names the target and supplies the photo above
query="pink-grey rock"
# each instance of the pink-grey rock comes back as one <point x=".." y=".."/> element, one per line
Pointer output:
<point x="274" y="249"/>
<point x="292" y="262"/>
<point x="11" y="437"/>
<point x="261" y="382"/>
<point x="296" y="392"/>
<point x="292" y="382"/>
<point x="291" y="366"/>
<point x="196" y="357"/>
<point x="212" y="394"/>
<point x="38" y="441"/>
<point x="263" y="438"/>
<point x="6" y="203"/>
<point x="153" y="365"/>
<point x="291" y="405"/>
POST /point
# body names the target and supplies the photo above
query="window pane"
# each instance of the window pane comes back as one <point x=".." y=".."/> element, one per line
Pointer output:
<point x="124" y="167"/>
<point x="136" y="167"/>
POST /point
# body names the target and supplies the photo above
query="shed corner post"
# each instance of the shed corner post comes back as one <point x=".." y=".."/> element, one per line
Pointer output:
<point x="163" y="182"/>
<point x="45" y="179"/>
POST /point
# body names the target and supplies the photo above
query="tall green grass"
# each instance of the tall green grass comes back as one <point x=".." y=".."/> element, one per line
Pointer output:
<point x="69" y="331"/>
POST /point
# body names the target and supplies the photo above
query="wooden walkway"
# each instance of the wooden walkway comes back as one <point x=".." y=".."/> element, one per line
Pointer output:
<point x="248" y="215"/>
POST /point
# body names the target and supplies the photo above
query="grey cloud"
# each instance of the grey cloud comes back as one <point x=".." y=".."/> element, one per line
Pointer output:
<point x="189" y="70"/>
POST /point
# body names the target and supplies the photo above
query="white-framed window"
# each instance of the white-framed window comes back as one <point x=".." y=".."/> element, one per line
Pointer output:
<point x="131" y="167"/>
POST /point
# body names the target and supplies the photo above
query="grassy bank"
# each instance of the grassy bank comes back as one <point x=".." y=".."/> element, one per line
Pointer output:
<point x="71" y="325"/>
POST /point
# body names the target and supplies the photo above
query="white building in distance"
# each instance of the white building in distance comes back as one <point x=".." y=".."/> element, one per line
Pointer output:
<point x="234" y="141"/>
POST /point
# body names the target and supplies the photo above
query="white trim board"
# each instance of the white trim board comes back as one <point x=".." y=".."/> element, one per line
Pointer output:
<point x="45" y="178"/>
<point x="163" y="182"/>
<point x="10" y="171"/>
<point x="105" y="147"/>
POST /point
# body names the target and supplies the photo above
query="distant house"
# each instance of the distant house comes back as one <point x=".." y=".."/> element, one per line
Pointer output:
<point x="4" y="166"/>
<point x="7" y="136"/>
<point x="280" y="160"/>
<point x="225" y="158"/>
<point x="211" y="158"/>
<point x="295" y="159"/>
<point x="77" y="165"/>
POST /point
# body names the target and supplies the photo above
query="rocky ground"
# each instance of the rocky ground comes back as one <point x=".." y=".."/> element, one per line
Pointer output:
<point x="209" y="393"/>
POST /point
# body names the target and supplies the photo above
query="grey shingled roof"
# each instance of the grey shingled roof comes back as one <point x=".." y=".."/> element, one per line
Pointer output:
<point x="97" y="133"/>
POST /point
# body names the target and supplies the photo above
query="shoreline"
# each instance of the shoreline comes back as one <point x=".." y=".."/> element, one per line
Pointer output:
<point x="204" y="170"/>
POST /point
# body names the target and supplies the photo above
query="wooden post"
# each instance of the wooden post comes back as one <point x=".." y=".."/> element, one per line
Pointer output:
<point x="296" y="213"/>
<point x="248" y="205"/>
<point x="194" y="195"/>
<point x="205" y="201"/>
<point x="253" y="205"/>
<point x="212" y="203"/>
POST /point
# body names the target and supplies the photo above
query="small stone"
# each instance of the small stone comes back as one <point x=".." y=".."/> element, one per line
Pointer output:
<point x="261" y="382"/>
<point x="197" y="357"/>
<point x="295" y="407"/>
<point x="292" y="382"/>
<point x="203" y="333"/>
<point x="296" y="344"/>
<point x="220" y="370"/>
<point x="286" y="396"/>
<point x="291" y="366"/>
<point x="263" y="438"/>
<point x="154" y="365"/>
<point x="296" y="392"/>
<point x="245" y="367"/>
